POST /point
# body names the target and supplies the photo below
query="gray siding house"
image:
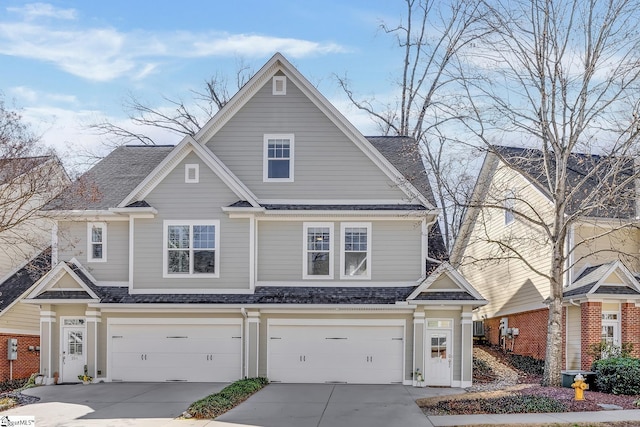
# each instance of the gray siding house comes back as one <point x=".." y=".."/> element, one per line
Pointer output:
<point x="277" y="242"/>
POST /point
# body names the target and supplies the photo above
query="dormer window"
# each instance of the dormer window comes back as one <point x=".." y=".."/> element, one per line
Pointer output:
<point x="279" y="85"/>
<point x="278" y="158"/>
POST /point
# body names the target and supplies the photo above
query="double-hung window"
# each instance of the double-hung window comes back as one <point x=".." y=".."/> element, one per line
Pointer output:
<point x="192" y="248"/>
<point x="278" y="158"/>
<point x="96" y="242"/>
<point x="355" y="251"/>
<point x="318" y="251"/>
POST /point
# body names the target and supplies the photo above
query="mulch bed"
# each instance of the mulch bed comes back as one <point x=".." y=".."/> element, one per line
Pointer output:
<point x="494" y="402"/>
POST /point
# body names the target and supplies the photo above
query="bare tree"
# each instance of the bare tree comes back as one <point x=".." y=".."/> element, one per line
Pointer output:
<point x="179" y="116"/>
<point x="430" y="36"/>
<point x="563" y="78"/>
<point x="29" y="178"/>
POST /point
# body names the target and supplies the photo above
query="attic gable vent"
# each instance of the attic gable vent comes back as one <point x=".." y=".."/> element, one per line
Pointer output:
<point x="279" y="85"/>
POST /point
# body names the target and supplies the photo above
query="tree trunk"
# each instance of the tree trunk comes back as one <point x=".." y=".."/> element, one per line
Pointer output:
<point x="553" y="359"/>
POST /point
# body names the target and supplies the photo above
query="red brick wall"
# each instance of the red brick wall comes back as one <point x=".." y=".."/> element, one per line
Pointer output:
<point x="630" y="326"/>
<point x="532" y="340"/>
<point x="28" y="362"/>
<point x="591" y="330"/>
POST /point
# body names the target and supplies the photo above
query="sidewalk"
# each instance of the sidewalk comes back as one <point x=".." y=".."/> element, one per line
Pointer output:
<point x="549" y="418"/>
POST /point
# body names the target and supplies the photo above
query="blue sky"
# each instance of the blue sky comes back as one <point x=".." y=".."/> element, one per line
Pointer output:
<point x="66" y="63"/>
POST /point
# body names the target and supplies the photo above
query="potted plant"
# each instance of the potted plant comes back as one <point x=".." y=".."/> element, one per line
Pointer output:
<point x="85" y="377"/>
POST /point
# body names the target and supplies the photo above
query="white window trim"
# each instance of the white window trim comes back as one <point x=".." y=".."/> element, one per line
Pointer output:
<point x="343" y="226"/>
<point x="196" y="168"/>
<point x="305" y="266"/>
<point x="277" y="79"/>
<point x="165" y="249"/>
<point x="90" y="226"/>
<point x="265" y="158"/>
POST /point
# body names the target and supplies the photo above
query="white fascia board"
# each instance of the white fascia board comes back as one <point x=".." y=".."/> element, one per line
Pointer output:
<point x="149" y="212"/>
<point x="453" y="274"/>
<point x="93" y="214"/>
<point x="362" y="213"/>
<point x="55" y="274"/>
<point x="187" y="146"/>
<point x="264" y="308"/>
<point x="61" y="301"/>
<point x="224" y="173"/>
<point x="449" y="303"/>
<point x="172" y="291"/>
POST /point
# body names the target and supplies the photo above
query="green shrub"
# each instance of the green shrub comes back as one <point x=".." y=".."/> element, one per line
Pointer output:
<point x="229" y="397"/>
<point x="604" y="350"/>
<point x="618" y="375"/>
<point x="499" y="405"/>
<point x="527" y="364"/>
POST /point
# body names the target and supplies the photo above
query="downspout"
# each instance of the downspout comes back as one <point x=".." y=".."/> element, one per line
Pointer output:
<point x="245" y="333"/>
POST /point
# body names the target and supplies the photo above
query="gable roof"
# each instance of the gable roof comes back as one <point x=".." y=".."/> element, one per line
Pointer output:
<point x="278" y="63"/>
<point x="461" y="291"/>
<point x="108" y="182"/>
<point x="586" y="173"/>
<point x="592" y="281"/>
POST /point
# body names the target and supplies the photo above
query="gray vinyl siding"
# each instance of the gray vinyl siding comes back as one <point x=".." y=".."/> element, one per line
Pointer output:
<point x="395" y="251"/>
<point x="176" y="200"/>
<point x="72" y="242"/>
<point x="327" y="164"/>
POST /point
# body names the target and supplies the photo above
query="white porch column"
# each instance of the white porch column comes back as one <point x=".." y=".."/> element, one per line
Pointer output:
<point x="418" y="346"/>
<point x="47" y="319"/>
<point x="252" y="345"/>
<point x="466" y="346"/>
<point x="94" y="317"/>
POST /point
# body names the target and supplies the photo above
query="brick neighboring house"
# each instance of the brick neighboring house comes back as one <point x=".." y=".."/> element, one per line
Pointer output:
<point x="601" y="296"/>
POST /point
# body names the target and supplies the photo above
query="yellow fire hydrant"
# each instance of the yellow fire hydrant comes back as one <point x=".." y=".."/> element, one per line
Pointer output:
<point x="579" y="386"/>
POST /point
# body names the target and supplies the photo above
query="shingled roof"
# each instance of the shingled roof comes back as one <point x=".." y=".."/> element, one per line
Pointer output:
<point x="113" y="178"/>
<point x="610" y="177"/>
<point x="20" y="281"/>
<point x="107" y="183"/>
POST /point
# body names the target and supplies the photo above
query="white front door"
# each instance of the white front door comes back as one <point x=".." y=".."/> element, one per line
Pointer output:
<point x="439" y="358"/>
<point x="73" y="353"/>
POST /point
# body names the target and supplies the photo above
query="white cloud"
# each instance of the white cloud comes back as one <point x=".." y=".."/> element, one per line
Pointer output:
<point x="26" y="95"/>
<point x="37" y="10"/>
<point x="103" y="54"/>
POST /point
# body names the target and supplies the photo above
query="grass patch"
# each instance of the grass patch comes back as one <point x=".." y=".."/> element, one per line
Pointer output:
<point x="228" y="398"/>
<point x="7" y="403"/>
<point x="502" y="405"/>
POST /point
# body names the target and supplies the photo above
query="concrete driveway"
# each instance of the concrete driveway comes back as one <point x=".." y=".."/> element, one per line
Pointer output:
<point x="277" y="405"/>
<point x="333" y="405"/>
<point x="113" y="404"/>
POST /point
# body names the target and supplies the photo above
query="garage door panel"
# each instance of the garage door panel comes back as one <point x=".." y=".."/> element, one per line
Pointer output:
<point x="199" y="353"/>
<point x="336" y="353"/>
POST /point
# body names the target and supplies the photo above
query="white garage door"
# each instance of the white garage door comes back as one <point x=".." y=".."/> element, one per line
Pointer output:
<point x="335" y="353"/>
<point x="167" y="352"/>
